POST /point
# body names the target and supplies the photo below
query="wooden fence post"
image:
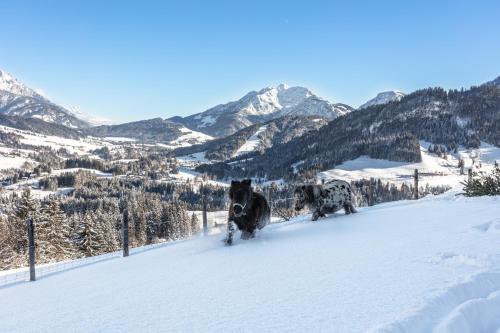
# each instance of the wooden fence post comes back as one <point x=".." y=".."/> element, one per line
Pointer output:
<point x="370" y="194"/>
<point x="31" y="247"/>
<point x="125" y="233"/>
<point x="269" y="197"/>
<point x="415" y="189"/>
<point x="470" y="174"/>
<point x="205" y="219"/>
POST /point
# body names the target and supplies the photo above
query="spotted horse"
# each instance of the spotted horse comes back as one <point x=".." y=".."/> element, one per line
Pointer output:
<point x="325" y="199"/>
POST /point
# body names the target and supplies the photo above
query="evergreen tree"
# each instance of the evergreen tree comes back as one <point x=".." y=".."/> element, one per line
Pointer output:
<point x="89" y="237"/>
<point x="483" y="184"/>
<point x="195" y="224"/>
<point x="53" y="234"/>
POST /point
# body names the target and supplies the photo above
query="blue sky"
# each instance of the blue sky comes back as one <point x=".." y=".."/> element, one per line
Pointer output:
<point x="130" y="60"/>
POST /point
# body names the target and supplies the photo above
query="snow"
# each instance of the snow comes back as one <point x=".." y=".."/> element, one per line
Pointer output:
<point x="384" y="98"/>
<point x="270" y="103"/>
<point x="12" y="85"/>
<point x="430" y="265"/>
<point x="252" y="143"/>
<point x="193" y="159"/>
<point x="188" y="138"/>
<point x="7" y="162"/>
<point x="207" y="121"/>
<point x="119" y="139"/>
<point x="185" y="174"/>
<point x="81" y="147"/>
<point x="98" y="173"/>
<point x="433" y="170"/>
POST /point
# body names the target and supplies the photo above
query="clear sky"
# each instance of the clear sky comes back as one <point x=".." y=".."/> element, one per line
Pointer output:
<point x="130" y="60"/>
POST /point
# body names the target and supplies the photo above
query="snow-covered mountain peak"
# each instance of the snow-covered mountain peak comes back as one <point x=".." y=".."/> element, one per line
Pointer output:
<point x="10" y="84"/>
<point x="282" y="86"/>
<point x="384" y="98"/>
<point x="17" y="99"/>
<point x="260" y="106"/>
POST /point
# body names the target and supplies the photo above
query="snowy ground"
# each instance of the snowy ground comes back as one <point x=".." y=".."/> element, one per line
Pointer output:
<point x="433" y="169"/>
<point x="81" y="147"/>
<point x="252" y="143"/>
<point x="431" y="265"/>
<point x="9" y="161"/>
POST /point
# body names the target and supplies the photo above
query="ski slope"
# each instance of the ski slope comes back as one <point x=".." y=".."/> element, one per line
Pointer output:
<point x="252" y="143"/>
<point x="412" y="266"/>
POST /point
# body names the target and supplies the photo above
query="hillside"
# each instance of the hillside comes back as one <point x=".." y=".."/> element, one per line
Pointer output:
<point x="255" y="138"/>
<point x="390" y="131"/>
<point x="413" y="266"/>
<point x="155" y="130"/>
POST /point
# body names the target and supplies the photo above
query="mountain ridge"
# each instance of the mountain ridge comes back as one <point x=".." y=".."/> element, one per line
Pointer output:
<point x="17" y="99"/>
<point x="260" y="106"/>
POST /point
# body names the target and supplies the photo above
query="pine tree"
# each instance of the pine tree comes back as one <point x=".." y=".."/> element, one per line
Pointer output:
<point x="483" y="184"/>
<point x="53" y="234"/>
<point x="26" y="208"/>
<point x="195" y="224"/>
<point x="90" y="240"/>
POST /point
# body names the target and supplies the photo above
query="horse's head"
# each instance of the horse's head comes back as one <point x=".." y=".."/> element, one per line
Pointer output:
<point x="240" y="194"/>
<point x="300" y="196"/>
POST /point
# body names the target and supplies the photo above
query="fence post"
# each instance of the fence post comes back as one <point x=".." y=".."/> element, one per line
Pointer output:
<point x="269" y="195"/>
<point x="470" y="174"/>
<point x="370" y="194"/>
<point x="31" y="247"/>
<point x="205" y="219"/>
<point x="415" y="189"/>
<point x="125" y="233"/>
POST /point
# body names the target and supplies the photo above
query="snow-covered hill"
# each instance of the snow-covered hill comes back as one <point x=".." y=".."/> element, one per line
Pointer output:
<point x="156" y="131"/>
<point x="434" y="170"/>
<point x="430" y="265"/>
<point x="17" y="99"/>
<point x="384" y="98"/>
<point x="256" y="138"/>
<point x="260" y="106"/>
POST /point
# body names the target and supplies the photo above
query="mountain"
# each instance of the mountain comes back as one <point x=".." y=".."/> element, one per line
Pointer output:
<point x="16" y="99"/>
<point x="261" y="106"/>
<point x="387" y="131"/>
<point x="495" y="82"/>
<point x="384" y="98"/>
<point x="255" y="138"/>
<point x="155" y="130"/>
<point x="39" y="126"/>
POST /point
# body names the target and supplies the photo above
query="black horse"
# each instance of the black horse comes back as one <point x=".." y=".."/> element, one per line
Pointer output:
<point x="249" y="210"/>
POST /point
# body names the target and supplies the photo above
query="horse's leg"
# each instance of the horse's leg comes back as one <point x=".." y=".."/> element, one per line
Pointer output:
<point x="347" y="208"/>
<point x="318" y="210"/>
<point x="230" y="232"/>
<point x="247" y="234"/>
<point x="351" y="208"/>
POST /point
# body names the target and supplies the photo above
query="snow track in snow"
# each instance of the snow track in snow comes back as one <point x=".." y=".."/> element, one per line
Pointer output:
<point x="473" y="306"/>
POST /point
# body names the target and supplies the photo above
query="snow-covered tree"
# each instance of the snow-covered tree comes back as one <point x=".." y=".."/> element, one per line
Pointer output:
<point x="53" y="241"/>
<point x="90" y="239"/>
